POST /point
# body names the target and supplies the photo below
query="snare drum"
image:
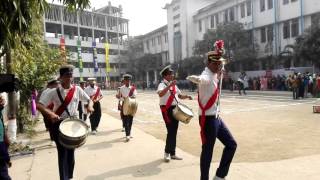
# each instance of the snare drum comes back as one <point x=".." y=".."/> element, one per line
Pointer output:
<point x="182" y="113"/>
<point x="73" y="133"/>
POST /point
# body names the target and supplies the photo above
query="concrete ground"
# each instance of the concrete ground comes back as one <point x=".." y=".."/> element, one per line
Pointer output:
<point x="277" y="140"/>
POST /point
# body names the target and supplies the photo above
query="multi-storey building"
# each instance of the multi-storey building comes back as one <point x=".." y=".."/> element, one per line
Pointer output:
<point x="156" y="43"/>
<point x="181" y="30"/>
<point x="152" y="50"/>
<point x="87" y="35"/>
<point x="274" y="24"/>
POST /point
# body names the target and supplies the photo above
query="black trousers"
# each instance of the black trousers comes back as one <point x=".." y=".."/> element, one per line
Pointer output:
<point x="127" y="120"/>
<point x="122" y="119"/>
<point x="48" y="124"/>
<point x="95" y="116"/>
<point x="80" y="110"/>
<point x="215" y="128"/>
<point x="172" y="128"/>
<point x="4" y="174"/>
<point x="241" y="87"/>
<point x="66" y="158"/>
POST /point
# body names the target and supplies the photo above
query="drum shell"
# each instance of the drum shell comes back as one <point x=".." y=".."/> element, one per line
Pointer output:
<point x="130" y="106"/>
<point x="180" y="115"/>
<point x="73" y="142"/>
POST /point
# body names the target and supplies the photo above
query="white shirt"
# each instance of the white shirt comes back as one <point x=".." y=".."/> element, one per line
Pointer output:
<point x="207" y="86"/>
<point x="52" y="96"/>
<point x="164" y="99"/>
<point x="124" y="92"/>
<point x="92" y="91"/>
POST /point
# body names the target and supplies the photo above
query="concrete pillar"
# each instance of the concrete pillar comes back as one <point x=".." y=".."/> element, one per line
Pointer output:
<point x="62" y="28"/>
<point x="148" y="83"/>
<point x="155" y="77"/>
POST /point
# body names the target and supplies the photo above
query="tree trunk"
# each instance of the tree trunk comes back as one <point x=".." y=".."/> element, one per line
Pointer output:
<point x="12" y="102"/>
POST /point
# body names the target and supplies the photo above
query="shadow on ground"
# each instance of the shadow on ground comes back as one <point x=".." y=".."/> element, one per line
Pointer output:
<point x="150" y="169"/>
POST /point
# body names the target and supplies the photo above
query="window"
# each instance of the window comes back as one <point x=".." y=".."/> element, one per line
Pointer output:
<point x="176" y="8"/>
<point x="225" y="16"/>
<point x="285" y="2"/>
<point x="294" y="0"/>
<point x="242" y="10"/>
<point x="270" y="4"/>
<point x="212" y="21"/>
<point x="286" y="30"/>
<point x="148" y="45"/>
<point x="249" y="8"/>
<point x="153" y="41"/>
<point x="270" y="33"/>
<point x="200" y="25"/>
<point x="176" y="25"/>
<point x="159" y="39"/>
<point x="217" y="19"/>
<point x="294" y="28"/>
<point x="166" y="38"/>
<point x="263" y="35"/>
<point x="231" y="14"/>
<point x="262" y="5"/>
<point x="315" y="19"/>
<point x="176" y="16"/>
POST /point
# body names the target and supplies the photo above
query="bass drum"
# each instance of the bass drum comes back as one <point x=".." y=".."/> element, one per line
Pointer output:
<point x="73" y="133"/>
<point x="130" y="106"/>
<point x="182" y="113"/>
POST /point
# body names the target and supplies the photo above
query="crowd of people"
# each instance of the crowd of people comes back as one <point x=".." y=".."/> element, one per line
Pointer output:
<point x="302" y="85"/>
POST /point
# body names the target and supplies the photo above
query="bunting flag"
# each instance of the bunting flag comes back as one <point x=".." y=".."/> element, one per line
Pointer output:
<point x="33" y="103"/>
<point x="107" y="46"/>
<point x="63" y="49"/>
<point x="95" y="61"/>
<point x="80" y="59"/>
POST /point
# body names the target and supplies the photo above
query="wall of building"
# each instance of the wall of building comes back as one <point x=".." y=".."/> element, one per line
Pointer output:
<point x="105" y="25"/>
<point x="275" y="18"/>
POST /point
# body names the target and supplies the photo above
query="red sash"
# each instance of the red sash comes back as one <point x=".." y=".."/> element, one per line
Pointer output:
<point x="131" y="91"/>
<point x="96" y="94"/>
<point x="210" y="102"/>
<point x="164" y="109"/>
<point x="66" y="101"/>
<point x="50" y="106"/>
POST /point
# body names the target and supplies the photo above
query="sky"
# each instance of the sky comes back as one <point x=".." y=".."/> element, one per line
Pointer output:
<point x="144" y="15"/>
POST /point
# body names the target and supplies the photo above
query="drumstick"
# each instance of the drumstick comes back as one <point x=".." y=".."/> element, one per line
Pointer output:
<point x="220" y="89"/>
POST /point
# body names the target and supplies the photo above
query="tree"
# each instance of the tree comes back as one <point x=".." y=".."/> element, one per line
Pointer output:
<point x="239" y="44"/>
<point x="16" y="18"/>
<point x="37" y="64"/>
<point x="307" y="45"/>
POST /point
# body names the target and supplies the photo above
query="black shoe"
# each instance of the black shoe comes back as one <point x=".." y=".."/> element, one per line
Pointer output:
<point x="176" y="157"/>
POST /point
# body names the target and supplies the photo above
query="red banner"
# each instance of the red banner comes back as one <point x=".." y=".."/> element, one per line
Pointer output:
<point x="63" y="49"/>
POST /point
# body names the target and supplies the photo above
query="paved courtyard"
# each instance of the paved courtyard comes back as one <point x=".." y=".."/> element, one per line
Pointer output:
<point x="268" y="126"/>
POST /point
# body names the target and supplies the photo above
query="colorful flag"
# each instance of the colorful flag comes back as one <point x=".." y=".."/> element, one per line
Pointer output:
<point x="63" y="49"/>
<point x="95" y="61"/>
<point x="80" y="58"/>
<point x="107" y="57"/>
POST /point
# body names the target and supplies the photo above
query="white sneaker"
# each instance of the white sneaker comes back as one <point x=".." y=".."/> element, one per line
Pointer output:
<point x="166" y="157"/>
<point x="94" y="132"/>
<point x="127" y="138"/>
<point x="218" y="178"/>
<point x="52" y="143"/>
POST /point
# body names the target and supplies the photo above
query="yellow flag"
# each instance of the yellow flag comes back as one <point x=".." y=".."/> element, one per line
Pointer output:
<point x="107" y="46"/>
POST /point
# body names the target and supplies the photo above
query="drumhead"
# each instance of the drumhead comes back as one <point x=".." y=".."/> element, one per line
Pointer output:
<point x="185" y="109"/>
<point x="73" y="128"/>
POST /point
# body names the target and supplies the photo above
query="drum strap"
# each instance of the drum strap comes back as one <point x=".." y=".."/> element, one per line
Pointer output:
<point x="66" y="101"/>
<point x="96" y="94"/>
<point x="210" y="102"/>
<point x="164" y="109"/>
